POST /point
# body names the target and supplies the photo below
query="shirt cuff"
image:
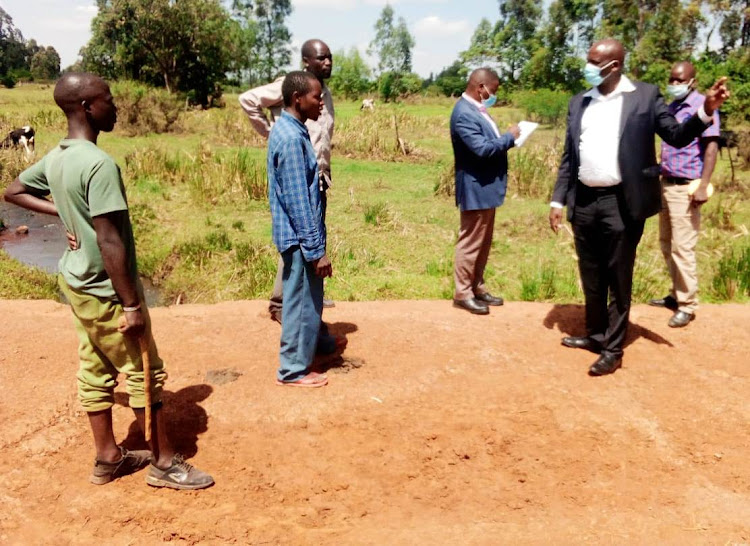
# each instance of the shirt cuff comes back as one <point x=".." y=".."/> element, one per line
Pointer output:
<point x="705" y="118"/>
<point x="556" y="205"/>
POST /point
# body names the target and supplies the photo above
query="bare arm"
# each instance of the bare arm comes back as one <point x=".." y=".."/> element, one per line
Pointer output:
<point x="28" y="198"/>
<point x="115" y="263"/>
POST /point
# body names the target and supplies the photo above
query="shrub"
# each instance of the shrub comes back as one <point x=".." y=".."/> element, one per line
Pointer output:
<point x="8" y="81"/>
<point x="143" y="109"/>
<point x="543" y="105"/>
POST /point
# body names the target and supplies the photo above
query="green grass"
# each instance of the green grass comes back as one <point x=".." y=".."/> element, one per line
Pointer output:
<point x="203" y="231"/>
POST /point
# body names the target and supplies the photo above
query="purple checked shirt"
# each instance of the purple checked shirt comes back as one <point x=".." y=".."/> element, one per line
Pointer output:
<point x="687" y="162"/>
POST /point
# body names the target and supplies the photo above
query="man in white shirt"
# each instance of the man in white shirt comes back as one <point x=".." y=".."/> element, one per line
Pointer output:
<point x="317" y="59"/>
<point x="609" y="180"/>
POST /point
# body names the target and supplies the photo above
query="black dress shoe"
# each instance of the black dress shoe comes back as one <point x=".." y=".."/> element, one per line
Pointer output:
<point x="472" y="306"/>
<point x="605" y="364"/>
<point x="583" y="342"/>
<point x="667" y="301"/>
<point x="489" y="299"/>
<point x="680" y="319"/>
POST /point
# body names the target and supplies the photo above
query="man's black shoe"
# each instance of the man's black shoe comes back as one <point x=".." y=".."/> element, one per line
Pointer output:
<point x="472" y="306"/>
<point x="605" y="364"/>
<point x="489" y="299"/>
<point x="667" y="301"/>
<point x="583" y="342"/>
<point x="680" y="319"/>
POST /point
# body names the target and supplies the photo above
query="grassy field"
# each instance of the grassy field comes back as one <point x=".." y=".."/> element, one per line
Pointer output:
<point x="197" y="198"/>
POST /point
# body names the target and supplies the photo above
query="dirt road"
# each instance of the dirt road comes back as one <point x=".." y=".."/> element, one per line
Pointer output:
<point x="438" y="427"/>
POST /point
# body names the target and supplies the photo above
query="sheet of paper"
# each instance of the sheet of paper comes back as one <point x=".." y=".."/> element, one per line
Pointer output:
<point x="526" y="127"/>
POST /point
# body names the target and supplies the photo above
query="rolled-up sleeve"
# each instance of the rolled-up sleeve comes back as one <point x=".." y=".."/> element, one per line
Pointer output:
<point x="255" y="100"/>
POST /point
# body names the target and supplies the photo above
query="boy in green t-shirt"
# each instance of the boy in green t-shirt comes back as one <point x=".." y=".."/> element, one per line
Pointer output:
<point x="100" y="279"/>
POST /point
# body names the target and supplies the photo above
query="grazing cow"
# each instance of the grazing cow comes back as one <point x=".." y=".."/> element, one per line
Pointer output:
<point x="23" y="136"/>
<point x="368" y="104"/>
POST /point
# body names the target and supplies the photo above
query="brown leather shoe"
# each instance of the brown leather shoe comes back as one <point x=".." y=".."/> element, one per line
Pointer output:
<point x="472" y="306"/>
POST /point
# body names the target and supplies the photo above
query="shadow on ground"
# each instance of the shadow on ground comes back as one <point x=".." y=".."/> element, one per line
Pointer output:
<point x="184" y="416"/>
<point x="570" y="320"/>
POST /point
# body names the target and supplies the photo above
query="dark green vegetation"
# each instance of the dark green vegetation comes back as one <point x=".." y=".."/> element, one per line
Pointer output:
<point x="199" y="207"/>
<point x="21" y="59"/>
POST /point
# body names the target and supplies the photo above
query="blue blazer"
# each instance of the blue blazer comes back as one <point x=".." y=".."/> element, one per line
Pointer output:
<point x="481" y="159"/>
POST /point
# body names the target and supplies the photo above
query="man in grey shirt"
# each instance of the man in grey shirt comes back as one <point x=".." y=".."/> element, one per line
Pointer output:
<point x="317" y="59"/>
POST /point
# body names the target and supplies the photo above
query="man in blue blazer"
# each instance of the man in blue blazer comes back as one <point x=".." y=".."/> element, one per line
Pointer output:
<point x="481" y="161"/>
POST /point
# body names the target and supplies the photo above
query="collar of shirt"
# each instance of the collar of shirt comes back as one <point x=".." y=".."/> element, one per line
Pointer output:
<point x="692" y="100"/>
<point x="623" y="86"/>
<point x="294" y="121"/>
<point x="478" y="104"/>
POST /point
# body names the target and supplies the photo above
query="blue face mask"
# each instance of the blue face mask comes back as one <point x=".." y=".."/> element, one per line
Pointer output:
<point x="490" y="101"/>
<point x="680" y="91"/>
<point x="593" y="74"/>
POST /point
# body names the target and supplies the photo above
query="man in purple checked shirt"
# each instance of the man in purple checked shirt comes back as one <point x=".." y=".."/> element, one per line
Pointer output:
<point x="680" y="216"/>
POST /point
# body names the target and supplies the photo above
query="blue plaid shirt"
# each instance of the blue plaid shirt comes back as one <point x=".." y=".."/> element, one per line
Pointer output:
<point x="294" y="190"/>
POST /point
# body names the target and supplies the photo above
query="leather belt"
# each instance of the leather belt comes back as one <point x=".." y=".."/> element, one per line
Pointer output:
<point x="676" y="180"/>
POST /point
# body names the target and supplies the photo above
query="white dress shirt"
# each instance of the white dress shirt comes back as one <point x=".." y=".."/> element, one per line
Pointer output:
<point x="483" y="111"/>
<point x="600" y="137"/>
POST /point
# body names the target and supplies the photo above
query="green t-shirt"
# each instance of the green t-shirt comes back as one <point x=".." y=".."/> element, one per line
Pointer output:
<point x="84" y="182"/>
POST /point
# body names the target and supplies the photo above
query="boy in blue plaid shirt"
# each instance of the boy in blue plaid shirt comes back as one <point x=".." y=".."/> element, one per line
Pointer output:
<point x="299" y="232"/>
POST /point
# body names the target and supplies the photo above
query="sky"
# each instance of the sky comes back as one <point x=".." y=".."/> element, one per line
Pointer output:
<point x="441" y="28"/>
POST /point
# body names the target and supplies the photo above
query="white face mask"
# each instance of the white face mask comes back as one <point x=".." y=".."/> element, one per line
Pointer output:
<point x="679" y="91"/>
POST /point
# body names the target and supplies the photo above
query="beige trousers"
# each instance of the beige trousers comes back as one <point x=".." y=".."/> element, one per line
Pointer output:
<point x="679" y="223"/>
<point x="472" y="251"/>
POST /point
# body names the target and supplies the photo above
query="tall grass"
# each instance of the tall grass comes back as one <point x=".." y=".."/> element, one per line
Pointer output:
<point x="374" y="135"/>
<point x="732" y="277"/>
<point x="232" y="176"/>
<point x="532" y="170"/>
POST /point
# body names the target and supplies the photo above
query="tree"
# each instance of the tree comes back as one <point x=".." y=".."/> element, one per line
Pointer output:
<point x="452" y="80"/>
<point x="515" y="34"/>
<point x="351" y="75"/>
<point x="182" y="45"/>
<point x="272" y="40"/>
<point x="392" y="45"/>
<point x="45" y="64"/>
<point x="482" y="51"/>
<point x="12" y="46"/>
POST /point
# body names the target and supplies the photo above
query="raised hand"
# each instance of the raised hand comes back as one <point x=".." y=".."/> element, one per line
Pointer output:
<point x="716" y="96"/>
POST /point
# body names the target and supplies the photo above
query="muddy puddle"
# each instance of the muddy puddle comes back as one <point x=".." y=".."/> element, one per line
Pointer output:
<point x="44" y="243"/>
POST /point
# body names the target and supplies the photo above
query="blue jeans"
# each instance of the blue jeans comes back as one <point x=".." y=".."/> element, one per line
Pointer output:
<point x="300" y="320"/>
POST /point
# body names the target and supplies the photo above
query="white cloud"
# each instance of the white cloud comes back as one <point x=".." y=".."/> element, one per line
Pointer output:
<point x="433" y="25"/>
<point x="90" y="10"/>
<point x="336" y="4"/>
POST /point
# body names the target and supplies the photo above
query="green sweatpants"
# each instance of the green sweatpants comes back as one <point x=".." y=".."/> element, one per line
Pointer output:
<point x="104" y="352"/>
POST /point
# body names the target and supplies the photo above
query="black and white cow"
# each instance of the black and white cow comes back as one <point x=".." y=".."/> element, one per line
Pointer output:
<point x="23" y="136"/>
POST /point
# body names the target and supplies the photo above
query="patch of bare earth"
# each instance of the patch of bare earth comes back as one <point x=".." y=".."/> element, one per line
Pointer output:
<point x="438" y="427"/>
